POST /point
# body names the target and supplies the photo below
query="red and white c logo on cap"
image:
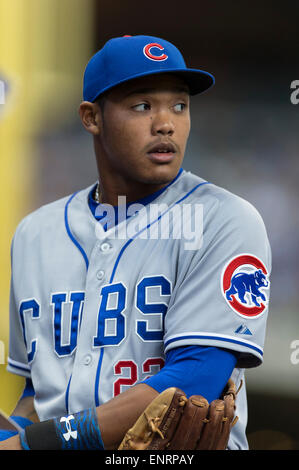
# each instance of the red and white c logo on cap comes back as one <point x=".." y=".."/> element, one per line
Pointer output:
<point x="147" y="51"/>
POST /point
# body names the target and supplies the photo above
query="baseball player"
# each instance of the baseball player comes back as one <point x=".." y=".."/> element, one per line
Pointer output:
<point x="114" y="297"/>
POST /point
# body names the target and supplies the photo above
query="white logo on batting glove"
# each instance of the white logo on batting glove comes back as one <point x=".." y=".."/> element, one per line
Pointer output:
<point x="70" y="433"/>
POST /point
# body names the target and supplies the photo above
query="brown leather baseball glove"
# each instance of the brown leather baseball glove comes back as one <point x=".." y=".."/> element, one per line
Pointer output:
<point x="173" y="422"/>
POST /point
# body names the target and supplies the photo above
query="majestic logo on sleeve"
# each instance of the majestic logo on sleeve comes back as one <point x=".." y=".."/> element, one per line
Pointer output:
<point x="150" y="51"/>
<point x="244" y="285"/>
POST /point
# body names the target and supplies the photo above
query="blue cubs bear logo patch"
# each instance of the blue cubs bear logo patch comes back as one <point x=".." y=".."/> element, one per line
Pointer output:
<point x="244" y="285"/>
<point x="251" y="283"/>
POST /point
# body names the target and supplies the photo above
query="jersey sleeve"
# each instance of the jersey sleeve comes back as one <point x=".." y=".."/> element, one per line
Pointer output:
<point x="18" y="357"/>
<point x="221" y="299"/>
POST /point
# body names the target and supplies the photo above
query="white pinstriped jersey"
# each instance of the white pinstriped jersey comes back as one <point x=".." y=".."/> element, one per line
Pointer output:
<point x="93" y="312"/>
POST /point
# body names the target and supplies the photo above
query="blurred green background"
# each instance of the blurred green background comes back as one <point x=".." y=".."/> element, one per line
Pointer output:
<point x="244" y="137"/>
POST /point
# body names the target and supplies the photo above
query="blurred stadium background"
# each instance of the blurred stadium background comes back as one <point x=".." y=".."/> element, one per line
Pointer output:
<point x="244" y="137"/>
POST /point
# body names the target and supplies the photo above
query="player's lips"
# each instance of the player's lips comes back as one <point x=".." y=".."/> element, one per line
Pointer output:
<point x="162" y="152"/>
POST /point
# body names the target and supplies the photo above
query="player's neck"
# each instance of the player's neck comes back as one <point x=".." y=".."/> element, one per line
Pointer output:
<point x="109" y="194"/>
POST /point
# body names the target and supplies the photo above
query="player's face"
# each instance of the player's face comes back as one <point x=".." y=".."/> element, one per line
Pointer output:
<point x="145" y="127"/>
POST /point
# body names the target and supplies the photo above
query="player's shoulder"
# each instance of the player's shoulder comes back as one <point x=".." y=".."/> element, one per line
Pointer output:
<point x="48" y="216"/>
<point x="218" y="202"/>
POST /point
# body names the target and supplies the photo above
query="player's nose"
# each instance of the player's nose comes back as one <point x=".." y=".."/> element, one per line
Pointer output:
<point x="162" y="124"/>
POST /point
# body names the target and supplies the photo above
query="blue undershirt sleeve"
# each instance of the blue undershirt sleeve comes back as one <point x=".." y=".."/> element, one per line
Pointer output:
<point x="28" y="390"/>
<point x="197" y="370"/>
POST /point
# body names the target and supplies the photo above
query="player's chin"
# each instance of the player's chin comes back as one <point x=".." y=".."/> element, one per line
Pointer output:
<point x="163" y="168"/>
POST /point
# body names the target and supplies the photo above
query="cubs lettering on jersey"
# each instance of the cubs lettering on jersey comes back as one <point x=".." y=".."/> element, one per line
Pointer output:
<point x="92" y="314"/>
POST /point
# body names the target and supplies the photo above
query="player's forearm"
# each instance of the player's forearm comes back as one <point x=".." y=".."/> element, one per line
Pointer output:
<point x="120" y="413"/>
<point x="114" y="417"/>
<point x="25" y="408"/>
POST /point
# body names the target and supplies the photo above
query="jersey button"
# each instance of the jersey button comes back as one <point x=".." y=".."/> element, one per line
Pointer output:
<point x="87" y="360"/>
<point x="105" y="247"/>
<point x="100" y="275"/>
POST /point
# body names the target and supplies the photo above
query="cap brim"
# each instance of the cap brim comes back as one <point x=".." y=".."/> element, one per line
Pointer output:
<point x="197" y="80"/>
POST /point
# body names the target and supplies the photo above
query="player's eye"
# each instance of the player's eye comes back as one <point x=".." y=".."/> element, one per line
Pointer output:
<point x="141" y="107"/>
<point x="179" y="107"/>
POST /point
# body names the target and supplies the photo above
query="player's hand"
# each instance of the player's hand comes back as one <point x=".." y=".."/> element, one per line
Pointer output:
<point x="13" y="443"/>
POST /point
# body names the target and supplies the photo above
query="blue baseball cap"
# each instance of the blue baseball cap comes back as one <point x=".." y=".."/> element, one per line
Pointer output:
<point x="125" y="58"/>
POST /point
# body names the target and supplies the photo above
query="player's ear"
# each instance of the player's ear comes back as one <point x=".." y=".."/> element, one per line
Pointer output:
<point x="91" y="117"/>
